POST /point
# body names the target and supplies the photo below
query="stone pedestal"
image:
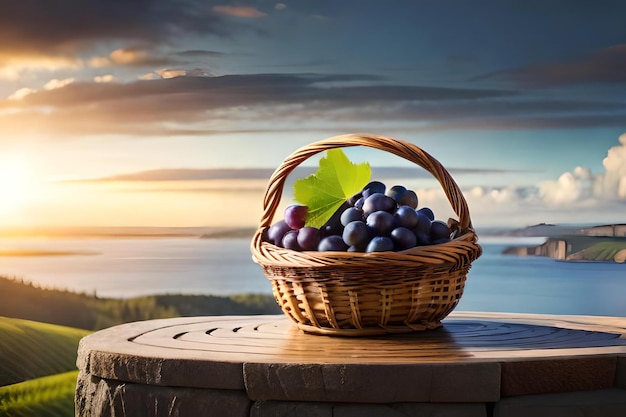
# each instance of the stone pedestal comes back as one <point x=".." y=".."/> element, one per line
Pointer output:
<point x="477" y="364"/>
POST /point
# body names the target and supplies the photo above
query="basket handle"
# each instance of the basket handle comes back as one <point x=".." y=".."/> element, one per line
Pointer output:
<point x="403" y="149"/>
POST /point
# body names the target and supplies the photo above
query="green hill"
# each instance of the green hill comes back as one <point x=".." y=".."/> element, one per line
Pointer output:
<point x="24" y="300"/>
<point x="31" y="349"/>
<point x="50" y="396"/>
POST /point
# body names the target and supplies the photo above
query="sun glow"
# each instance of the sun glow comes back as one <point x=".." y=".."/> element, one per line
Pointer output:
<point x="14" y="183"/>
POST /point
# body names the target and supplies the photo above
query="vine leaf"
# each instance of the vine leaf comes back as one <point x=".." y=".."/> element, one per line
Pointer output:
<point x="324" y="191"/>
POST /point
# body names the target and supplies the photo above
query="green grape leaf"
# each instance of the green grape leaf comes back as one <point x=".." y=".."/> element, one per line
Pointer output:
<point x="336" y="180"/>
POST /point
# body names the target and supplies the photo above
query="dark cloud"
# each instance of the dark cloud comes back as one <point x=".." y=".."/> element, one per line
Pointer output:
<point x="65" y="27"/>
<point x="199" y="106"/>
<point x="604" y="66"/>
<point x="158" y="175"/>
<point x="200" y="53"/>
<point x="200" y="92"/>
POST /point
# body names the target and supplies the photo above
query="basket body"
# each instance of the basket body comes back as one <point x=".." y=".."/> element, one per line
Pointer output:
<point x="361" y="294"/>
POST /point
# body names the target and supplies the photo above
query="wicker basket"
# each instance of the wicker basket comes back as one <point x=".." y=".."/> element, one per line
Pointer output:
<point x="360" y="294"/>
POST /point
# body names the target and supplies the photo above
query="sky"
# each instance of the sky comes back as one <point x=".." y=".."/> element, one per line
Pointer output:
<point x="163" y="113"/>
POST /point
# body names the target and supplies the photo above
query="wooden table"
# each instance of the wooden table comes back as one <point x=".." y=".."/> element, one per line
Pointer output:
<point x="477" y="364"/>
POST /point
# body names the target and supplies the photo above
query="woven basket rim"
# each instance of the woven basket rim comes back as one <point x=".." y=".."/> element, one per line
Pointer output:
<point x="463" y="249"/>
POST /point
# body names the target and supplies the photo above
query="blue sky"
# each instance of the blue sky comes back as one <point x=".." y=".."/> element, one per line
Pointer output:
<point x="524" y="102"/>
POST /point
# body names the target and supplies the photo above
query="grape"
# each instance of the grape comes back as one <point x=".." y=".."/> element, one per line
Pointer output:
<point x="373" y="188"/>
<point x="382" y="222"/>
<point x="439" y="231"/>
<point x="408" y="199"/>
<point x="276" y="232"/>
<point x="359" y="203"/>
<point x="309" y="238"/>
<point x="332" y="243"/>
<point x="423" y="223"/>
<point x="378" y="202"/>
<point x="351" y="214"/>
<point x="295" y="215"/>
<point x="352" y="200"/>
<point x="421" y="238"/>
<point x="396" y="192"/>
<point x="290" y="240"/>
<point x="331" y="230"/>
<point x="406" y="216"/>
<point x="360" y="248"/>
<point x="356" y="233"/>
<point x="428" y="212"/>
<point x="333" y="226"/>
<point x="379" y="244"/>
<point x="403" y="238"/>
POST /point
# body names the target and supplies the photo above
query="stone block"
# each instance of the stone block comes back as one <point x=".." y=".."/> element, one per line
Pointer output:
<point x="620" y="375"/>
<point x="315" y="409"/>
<point x="602" y="403"/>
<point x="338" y="383"/>
<point x="470" y="382"/>
<point x="172" y="372"/>
<point x="557" y="375"/>
<point x="96" y="397"/>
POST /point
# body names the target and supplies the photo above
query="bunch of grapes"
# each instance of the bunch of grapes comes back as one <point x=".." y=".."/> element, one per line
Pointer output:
<point x="373" y="220"/>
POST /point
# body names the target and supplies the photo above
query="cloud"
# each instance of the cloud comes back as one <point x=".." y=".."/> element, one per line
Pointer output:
<point x="239" y="11"/>
<point x="130" y="57"/>
<point x="602" y="66"/>
<point x="195" y="102"/>
<point x="175" y="101"/>
<point x="107" y="78"/>
<point x="612" y="183"/>
<point x="575" y="196"/>
<point x="46" y="37"/>
<point x="187" y="174"/>
<point x="582" y="186"/>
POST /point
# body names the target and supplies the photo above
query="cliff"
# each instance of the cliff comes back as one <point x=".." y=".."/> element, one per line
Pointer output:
<point x="596" y="243"/>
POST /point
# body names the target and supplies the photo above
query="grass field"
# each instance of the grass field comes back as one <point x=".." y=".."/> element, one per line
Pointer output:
<point x="49" y="396"/>
<point x="605" y="251"/>
<point x="32" y="349"/>
<point x="38" y="358"/>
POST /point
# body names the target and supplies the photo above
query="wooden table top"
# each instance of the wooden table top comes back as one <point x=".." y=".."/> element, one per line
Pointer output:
<point x="465" y="336"/>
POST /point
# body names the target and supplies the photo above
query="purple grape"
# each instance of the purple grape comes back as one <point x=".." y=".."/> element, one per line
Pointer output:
<point x="359" y="203"/>
<point x="406" y="216"/>
<point x="428" y="212"/>
<point x="332" y="243"/>
<point x="408" y="199"/>
<point x="439" y="231"/>
<point x="356" y="233"/>
<point x="423" y="223"/>
<point x="351" y="214"/>
<point x="380" y="244"/>
<point x="381" y="222"/>
<point x="331" y="230"/>
<point x="403" y="238"/>
<point x="333" y="226"/>
<point x="360" y="248"/>
<point x="378" y="202"/>
<point x="396" y="192"/>
<point x="295" y="215"/>
<point x="372" y="188"/>
<point x="309" y="238"/>
<point x="421" y="238"/>
<point x="290" y="240"/>
<point x="276" y="232"/>
<point x="356" y="197"/>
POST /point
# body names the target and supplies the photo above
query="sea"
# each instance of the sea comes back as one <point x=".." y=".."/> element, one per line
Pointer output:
<point x="130" y="267"/>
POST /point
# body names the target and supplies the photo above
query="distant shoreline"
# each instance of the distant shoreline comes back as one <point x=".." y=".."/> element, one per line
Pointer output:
<point x="29" y="253"/>
<point x="128" y="232"/>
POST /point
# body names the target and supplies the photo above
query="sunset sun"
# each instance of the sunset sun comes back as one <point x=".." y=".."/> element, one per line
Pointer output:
<point x="14" y="183"/>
